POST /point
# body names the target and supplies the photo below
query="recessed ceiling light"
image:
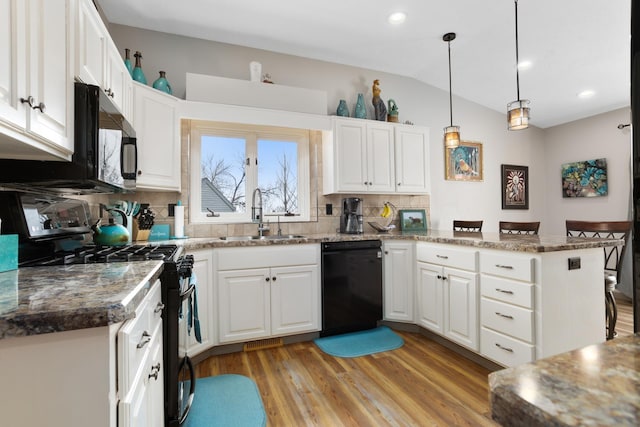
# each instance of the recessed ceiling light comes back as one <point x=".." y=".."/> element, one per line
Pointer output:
<point x="524" y="65"/>
<point x="397" y="18"/>
<point x="586" y="94"/>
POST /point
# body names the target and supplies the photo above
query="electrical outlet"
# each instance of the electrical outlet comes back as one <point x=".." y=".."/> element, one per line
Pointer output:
<point x="171" y="209"/>
<point x="574" y="263"/>
<point x="329" y="209"/>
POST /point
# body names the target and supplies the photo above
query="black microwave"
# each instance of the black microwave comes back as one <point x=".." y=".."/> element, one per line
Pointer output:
<point x="104" y="158"/>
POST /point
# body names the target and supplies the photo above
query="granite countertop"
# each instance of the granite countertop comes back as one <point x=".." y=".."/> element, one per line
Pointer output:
<point x="39" y="300"/>
<point x="508" y="242"/>
<point x="595" y="385"/>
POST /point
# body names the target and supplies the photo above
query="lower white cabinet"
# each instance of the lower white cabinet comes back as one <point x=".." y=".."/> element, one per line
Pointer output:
<point x="399" y="283"/>
<point x="267" y="291"/>
<point x="448" y="296"/>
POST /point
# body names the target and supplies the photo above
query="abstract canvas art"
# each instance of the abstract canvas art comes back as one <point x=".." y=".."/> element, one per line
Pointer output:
<point x="586" y="178"/>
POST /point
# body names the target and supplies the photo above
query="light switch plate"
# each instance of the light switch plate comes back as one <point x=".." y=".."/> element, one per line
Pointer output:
<point x="574" y="263"/>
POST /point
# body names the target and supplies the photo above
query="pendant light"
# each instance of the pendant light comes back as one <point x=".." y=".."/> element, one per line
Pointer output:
<point x="518" y="111"/>
<point x="451" y="132"/>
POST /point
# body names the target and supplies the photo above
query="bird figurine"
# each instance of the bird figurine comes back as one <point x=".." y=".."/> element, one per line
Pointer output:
<point x="378" y="104"/>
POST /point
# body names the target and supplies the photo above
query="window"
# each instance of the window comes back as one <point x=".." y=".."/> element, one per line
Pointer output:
<point x="230" y="161"/>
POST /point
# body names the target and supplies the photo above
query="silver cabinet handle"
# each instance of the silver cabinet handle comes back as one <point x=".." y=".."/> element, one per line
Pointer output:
<point x="144" y="340"/>
<point x="158" y="308"/>
<point x="40" y="107"/>
<point x="442" y="256"/>
<point x="28" y="100"/>
<point x="510" y="350"/>
<point x="506" y="316"/>
<point x="504" y="292"/>
<point x="155" y="371"/>
<point x="508" y="267"/>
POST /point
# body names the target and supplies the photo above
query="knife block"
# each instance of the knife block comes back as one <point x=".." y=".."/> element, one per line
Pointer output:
<point x="140" y="235"/>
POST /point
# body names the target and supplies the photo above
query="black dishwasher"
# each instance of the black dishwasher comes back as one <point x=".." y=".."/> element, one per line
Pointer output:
<point x="351" y="286"/>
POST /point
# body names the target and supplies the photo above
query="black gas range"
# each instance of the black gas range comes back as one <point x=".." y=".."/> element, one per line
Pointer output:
<point x="53" y="232"/>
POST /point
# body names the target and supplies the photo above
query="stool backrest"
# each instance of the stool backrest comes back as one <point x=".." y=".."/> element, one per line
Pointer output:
<point x="604" y="230"/>
<point x="519" y="227"/>
<point x="469" y="226"/>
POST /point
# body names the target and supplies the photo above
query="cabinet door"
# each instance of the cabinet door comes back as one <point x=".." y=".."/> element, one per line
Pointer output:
<point x="118" y="84"/>
<point x="243" y="304"/>
<point x="350" y="155"/>
<point x="295" y="299"/>
<point x="412" y="160"/>
<point x="380" y="158"/>
<point x="50" y="73"/>
<point x="91" y="45"/>
<point x="430" y="297"/>
<point x="155" y="386"/>
<point x="461" y="307"/>
<point x="398" y="281"/>
<point x="203" y="269"/>
<point x="156" y="125"/>
<point x="13" y="81"/>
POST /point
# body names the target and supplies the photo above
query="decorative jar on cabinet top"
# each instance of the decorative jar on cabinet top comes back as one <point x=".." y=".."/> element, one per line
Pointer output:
<point x="162" y="84"/>
<point x="360" y="111"/>
<point x="342" y="110"/>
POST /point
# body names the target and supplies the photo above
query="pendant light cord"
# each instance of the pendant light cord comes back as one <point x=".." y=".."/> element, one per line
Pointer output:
<point x="450" y="97"/>
<point x="517" y="58"/>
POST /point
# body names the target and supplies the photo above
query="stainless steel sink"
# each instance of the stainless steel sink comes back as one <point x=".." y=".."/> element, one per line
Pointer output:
<point x="248" y="238"/>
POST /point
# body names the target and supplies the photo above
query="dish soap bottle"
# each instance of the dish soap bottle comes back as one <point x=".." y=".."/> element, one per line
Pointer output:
<point x="137" y="74"/>
<point x="178" y="220"/>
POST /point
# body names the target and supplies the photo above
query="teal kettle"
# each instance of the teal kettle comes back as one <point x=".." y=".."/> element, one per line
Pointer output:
<point x="111" y="234"/>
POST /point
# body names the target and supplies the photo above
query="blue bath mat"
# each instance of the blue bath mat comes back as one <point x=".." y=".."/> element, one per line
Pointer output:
<point x="360" y="343"/>
<point x="226" y="401"/>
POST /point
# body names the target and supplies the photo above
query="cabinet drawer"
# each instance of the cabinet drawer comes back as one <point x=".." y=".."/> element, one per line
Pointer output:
<point x="505" y="350"/>
<point x="508" y="291"/>
<point x="512" y="266"/>
<point x="448" y="256"/>
<point x="508" y="319"/>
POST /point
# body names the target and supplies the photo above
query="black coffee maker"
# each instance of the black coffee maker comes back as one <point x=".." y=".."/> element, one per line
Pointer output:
<point x="351" y="218"/>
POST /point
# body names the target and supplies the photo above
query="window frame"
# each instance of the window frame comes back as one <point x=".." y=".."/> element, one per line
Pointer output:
<point x="251" y="134"/>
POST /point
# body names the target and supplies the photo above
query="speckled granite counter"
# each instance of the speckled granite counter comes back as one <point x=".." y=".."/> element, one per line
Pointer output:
<point x="596" y="385"/>
<point x="38" y="300"/>
<point x="506" y="242"/>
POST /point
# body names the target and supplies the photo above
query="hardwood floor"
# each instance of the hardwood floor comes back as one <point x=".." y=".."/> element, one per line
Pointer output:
<point x="624" y="325"/>
<point x="419" y="384"/>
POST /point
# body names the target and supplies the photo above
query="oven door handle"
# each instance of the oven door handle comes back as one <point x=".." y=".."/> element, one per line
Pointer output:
<point x="192" y="387"/>
<point x="184" y="295"/>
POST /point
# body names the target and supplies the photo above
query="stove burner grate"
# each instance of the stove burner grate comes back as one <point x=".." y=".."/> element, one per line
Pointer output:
<point x="92" y="254"/>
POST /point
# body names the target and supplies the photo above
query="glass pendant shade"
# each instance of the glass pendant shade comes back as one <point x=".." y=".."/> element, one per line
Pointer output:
<point x="452" y="136"/>
<point x="518" y="114"/>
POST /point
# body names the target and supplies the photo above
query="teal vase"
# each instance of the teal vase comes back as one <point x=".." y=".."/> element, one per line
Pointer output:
<point x="162" y="84"/>
<point x="137" y="73"/>
<point x="361" y="111"/>
<point x="127" y="61"/>
<point x="342" y="110"/>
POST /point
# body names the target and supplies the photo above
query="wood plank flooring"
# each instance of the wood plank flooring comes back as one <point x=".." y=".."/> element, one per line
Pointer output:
<point x="419" y="384"/>
<point x="624" y="324"/>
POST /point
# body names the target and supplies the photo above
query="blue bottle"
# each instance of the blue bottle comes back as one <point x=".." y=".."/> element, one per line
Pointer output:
<point x="137" y="74"/>
<point x="127" y="61"/>
<point x="162" y="84"/>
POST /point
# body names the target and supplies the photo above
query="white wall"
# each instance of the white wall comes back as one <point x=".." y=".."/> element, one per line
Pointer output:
<point x="418" y="102"/>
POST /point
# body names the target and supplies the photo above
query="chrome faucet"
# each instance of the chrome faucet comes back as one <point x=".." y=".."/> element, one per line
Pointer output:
<point x="256" y="211"/>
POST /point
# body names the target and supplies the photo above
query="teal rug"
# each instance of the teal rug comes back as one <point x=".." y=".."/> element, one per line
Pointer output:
<point x="226" y="401"/>
<point x="361" y="343"/>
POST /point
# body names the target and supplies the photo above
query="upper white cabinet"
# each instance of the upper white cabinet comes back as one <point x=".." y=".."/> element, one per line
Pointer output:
<point x="98" y="61"/>
<point x="36" y="90"/>
<point x="157" y="126"/>
<point x="375" y="157"/>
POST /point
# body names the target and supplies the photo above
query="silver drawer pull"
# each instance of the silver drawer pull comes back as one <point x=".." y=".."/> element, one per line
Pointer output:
<point x="508" y="267"/>
<point x="155" y="370"/>
<point x="146" y="337"/>
<point x="510" y="350"/>
<point x="504" y="292"/>
<point x="506" y="316"/>
<point x="442" y="256"/>
<point x="159" y="308"/>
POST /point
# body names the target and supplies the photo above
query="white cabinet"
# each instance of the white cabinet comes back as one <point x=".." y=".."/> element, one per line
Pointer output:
<point x="97" y="59"/>
<point x="399" y="283"/>
<point x="267" y="291"/>
<point x="157" y="126"/>
<point x="447" y="291"/>
<point x="203" y="269"/>
<point x="375" y="157"/>
<point x="140" y="365"/>
<point x="36" y="81"/>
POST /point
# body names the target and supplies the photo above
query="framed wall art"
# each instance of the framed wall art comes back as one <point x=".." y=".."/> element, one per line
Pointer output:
<point x="587" y="178"/>
<point x="515" y="187"/>
<point x="413" y="221"/>
<point x="464" y="163"/>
